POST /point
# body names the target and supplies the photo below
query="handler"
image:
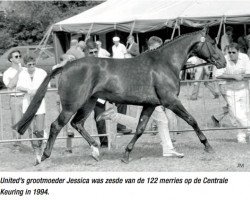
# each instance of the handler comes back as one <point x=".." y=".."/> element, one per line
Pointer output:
<point x="159" y="116"/>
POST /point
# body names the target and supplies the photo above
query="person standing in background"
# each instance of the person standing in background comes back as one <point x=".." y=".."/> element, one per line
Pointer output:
<point x="29" y="81"/>
<point x="102" y="53"/>
<point x="132" y="47"/>
<point x="118" y="49"/>
<point x="236" y="89"/>
<point x="226" y="39"/>
<point x="10" y="79"/>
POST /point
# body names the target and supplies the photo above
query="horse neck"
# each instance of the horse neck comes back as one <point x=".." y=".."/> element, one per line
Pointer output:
<point x="181" y="48"/>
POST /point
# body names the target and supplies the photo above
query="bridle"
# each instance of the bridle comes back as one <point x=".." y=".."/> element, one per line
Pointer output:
<point x="212" y="53"/>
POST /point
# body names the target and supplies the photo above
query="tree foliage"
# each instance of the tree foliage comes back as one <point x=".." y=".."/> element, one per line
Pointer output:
<point x="26" y="22"/>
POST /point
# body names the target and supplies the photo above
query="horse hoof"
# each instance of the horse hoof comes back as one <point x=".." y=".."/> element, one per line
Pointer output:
<point x="125" y="159"/>
<point x="209" y="150"/>
<point x="38" y="160"/>
<point x="44" y="157"/>
<point x="95" y="153"/>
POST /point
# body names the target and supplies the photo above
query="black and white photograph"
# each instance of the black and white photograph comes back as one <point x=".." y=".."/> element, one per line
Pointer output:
<point x="116" y="86"/>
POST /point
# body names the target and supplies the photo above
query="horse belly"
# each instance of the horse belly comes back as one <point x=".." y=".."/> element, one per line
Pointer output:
<point x="135" y="96"/>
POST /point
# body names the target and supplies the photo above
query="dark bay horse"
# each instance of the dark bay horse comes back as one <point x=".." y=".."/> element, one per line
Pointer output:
<point x="151" y="79"/>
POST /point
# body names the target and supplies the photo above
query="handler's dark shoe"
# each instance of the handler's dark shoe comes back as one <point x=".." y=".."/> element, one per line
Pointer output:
<point x="216" y="96"/>
<point x="216" y="123"/>
<point x="124" y="131"/>
<point x="69" y="151"/>
<point x="104" y="145"/>
<point x="71" y="134"/>
<point x="193" y="98"/>
<point x="106" y="115"/>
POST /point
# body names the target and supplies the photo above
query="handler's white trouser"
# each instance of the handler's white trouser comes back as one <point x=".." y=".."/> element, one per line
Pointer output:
<point x="238" y="101"/>
<point x="159" y="116"/>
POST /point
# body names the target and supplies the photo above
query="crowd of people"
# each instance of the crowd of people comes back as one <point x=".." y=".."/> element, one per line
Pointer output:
<point x="23" y="81"/>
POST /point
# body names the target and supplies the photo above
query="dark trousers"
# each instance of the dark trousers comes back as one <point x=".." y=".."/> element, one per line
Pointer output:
<point x="101" y="125"/>
<point x="121" y="108"/>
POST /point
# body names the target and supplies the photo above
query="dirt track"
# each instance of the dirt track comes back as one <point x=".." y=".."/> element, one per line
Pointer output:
<point x="229" y="156"/>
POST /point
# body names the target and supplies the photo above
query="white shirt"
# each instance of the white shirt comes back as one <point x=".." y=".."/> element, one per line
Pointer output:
<point x="9" y="74"/>
<point x="26" y="82"/>
<point x="103" y="53"/>
<point x="119" y="51"/>
<point x="241" y="67"/>
<point x="194" y="60"/>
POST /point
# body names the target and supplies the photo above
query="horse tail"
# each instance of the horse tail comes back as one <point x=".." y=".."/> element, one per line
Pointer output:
<point x="26" y="120"/>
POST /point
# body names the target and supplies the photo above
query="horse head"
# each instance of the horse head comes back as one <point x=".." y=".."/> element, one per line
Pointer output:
<point x="207" y="49"/>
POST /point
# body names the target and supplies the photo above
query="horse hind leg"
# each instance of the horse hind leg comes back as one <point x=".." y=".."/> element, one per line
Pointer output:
<point x="180" y="111"/>
<point x="78" y="123"/>
<point x="143" y="121"/>
<point x="55" y="129"/>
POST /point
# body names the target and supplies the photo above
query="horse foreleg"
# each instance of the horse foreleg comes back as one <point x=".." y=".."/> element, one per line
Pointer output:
<point x="55" y="129"/>
<point x="144" y="117"/>
<point x="78" y="123"/>
<point x="180" y="111"/>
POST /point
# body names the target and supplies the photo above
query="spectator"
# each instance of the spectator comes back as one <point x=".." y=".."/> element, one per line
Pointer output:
<point x="202" y="73"/>
<point x="158" y="115"/>
<point x="133" y="48"/>
<point x="28" y="82"/>
<point x="81" y="47"/>
<point x="227" y="38"/>
<point x="243" y="42"/>
<point x="237" y="92"/>
<point x="94" y="50"/>
<point x="154" y="42"/>
<point x="102" y="53"/>
<point x="69" y="130"/>
<point x="118" y="49"/>
<point x="10" y="79"/>
<point x="74" y="50"/>
<point x="99" y="108"/>
<point x="248" y="42"/>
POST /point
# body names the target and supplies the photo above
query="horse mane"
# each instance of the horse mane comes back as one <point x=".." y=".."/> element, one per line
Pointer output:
<point x="171" y="41"/>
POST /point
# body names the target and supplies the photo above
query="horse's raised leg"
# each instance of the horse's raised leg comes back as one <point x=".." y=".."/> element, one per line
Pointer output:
<point x="145" y="115"/>
<point x="55" y="128"/>
<point x="78" y="123"/>
<point x="180" y="111"/>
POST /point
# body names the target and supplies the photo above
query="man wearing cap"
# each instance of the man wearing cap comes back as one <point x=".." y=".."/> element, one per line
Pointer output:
<point x="226" y="39"/>
<point x="118" y="49"/>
